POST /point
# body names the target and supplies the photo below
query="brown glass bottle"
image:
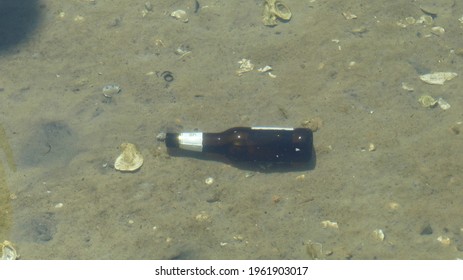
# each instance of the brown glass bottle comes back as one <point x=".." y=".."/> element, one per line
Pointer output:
<point x="255" y="144"/>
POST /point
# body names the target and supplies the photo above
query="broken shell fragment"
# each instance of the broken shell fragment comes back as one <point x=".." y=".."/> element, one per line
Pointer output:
<point x="282" y="11"/>
<point x="438" y="78"/>
<point x="444" y="105"/>
<point x="8" y="251"/>
<point x="274" y="10"/>
<point x="349" y="15"/>
<point x="130" y="159"/>
<point x="329" y="224"/>
<point x="265" y="69"/>
<point x="181" y="15"/>
<point x="245" y="66"/>
<point x="406" y="87"/>
<point x="427" y="101"/>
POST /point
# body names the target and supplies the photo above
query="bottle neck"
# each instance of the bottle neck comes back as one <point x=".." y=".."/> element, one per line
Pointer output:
<point x="214" y="143"/>
<point x="191" y="141"/>
<point x="196" y="141"/>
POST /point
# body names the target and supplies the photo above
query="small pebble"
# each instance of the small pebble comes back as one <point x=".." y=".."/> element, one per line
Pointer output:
<point x="161" y="136"/>
<point x="110" y="90"/>
<point x="444" y="240"/>
<point x="427" y="230"/>
<point x="209" y="181"/>
<point x="148" y="6"/>
<point x="393" y="205"/>
<point x="378" y="234"/>
<point x="455" y="129"/>
<point x="79" y="18"/>
<point x="202" y="217"/>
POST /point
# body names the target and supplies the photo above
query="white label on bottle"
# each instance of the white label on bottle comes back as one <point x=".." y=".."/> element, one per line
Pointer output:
<point x="271" y="128"/>
<point x="192" y="141"/>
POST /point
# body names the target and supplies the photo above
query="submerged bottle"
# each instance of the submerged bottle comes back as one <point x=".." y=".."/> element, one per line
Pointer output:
<point x="249" y="144"/>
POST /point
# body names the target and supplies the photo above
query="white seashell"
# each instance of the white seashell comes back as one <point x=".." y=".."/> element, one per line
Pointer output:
<point x="180" y="15"/>
<point x="437" y="30"/>
<point x="8" y="252"/>
<point x="427" y="101"/>
<point x="438" y="78"/>
<point x="274" y="10"/>
<point x="349" y="15"/>
<point x="110" y="90"/>
<point x="130" y="159"/>
<point x="444" y="105"/>
<point x="265" y="69"/>
<point x="329" y="224"/>
<point x="378" y="234"/>
<point x="245" y="66"/>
